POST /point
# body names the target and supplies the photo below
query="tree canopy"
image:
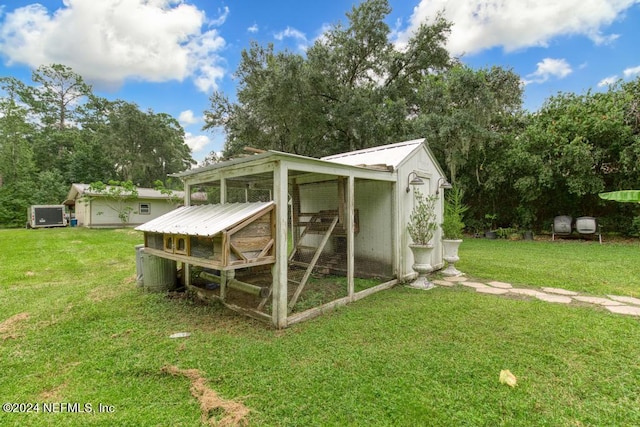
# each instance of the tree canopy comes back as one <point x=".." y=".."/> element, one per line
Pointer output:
<point x="355" y="88"/>
<point x="57" y="131"/>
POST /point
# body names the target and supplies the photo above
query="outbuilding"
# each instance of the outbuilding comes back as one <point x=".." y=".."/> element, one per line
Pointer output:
<point x="283" y="237"/>
<point x="96" y="209"/>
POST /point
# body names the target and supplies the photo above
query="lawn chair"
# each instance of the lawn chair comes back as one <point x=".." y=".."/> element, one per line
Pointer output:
<point x="562" y="226"/>
<point x="588" y="225"/>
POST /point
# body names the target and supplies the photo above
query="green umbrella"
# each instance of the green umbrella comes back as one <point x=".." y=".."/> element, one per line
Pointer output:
<point x="632" y="196"/>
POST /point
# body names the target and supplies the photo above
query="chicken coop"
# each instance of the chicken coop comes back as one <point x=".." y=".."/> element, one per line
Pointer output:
<point x="284" y="238"/>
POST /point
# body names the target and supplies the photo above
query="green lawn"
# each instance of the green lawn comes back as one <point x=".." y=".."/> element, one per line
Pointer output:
<point x="578" y="265"/>
<point x="88" y="335"/>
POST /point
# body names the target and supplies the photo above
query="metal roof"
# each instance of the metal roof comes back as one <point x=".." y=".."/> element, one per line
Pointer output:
<point x="79" y="190"/>
<point x="204" y="220"/>
<point x="389" y="155"/>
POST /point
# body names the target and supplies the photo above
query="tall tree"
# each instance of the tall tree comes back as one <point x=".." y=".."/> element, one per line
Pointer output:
<point x="17" y="168"/>
<point x="144" y="147"/>
<point x="353" y="89"/>
<point x="58" y="94"/>
<point x="16" y="155"/>
<point x="55" y="102"/>
<point x="462" y="113"/>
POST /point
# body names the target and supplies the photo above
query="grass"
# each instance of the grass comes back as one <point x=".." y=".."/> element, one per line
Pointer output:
<point x="399" y="357"/>
<point x="578" y="265"/>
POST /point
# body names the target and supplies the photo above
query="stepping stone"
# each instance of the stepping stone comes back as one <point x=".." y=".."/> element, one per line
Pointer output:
<point x="597" y="300"/>
<point x="560" y="299"/>
<point x="624" y="309"/>
<point x="529" y="292"/>
<point x="492" y="291"/>
<point x="444" y="283"/>
<point x="474" y="285"/>
<point x="456" y="279"/>
<point x="626" y="300"/>
<point x="500" y="285"/>
<point x="559" y="291"/>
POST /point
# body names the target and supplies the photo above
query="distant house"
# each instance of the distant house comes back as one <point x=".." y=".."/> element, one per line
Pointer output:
<point x="93" y="209"/>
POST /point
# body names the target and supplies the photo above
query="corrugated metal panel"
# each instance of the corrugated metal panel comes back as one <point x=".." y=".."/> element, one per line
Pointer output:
<point x="391" y="155"/>
<point x="203" y="220"/>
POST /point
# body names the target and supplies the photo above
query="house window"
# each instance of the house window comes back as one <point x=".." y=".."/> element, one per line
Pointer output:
<point x="144" y="208"/>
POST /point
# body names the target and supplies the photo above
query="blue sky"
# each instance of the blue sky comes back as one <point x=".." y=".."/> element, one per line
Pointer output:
<point x="170" y="55"/>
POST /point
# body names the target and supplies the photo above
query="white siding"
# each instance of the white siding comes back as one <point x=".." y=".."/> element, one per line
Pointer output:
<point x="373" y="200"/>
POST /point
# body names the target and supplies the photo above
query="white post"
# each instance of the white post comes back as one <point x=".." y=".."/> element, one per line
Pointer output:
<point x="349" y="223"/>
<point x="187" y="267"/>
<point x="223" y="190"/>
<point x="279" y="294"/>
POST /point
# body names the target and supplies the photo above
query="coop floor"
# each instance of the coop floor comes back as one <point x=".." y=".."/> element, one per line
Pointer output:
<point x="319" y="289"/>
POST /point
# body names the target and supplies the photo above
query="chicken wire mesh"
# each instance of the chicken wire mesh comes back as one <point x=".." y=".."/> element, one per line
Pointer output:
<point x="317" y="245"/>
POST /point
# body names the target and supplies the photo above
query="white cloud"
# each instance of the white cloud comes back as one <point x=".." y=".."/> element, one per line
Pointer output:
<point x="549" y="68"/>
<point x="110" y="41"/>
<point x="290" y="33"/>
<point x="632" y="71"/>
<point x="187" y="118"/>
<point x="253" y="29"/>
<point x="197" y="143"/>
<point x="607" y="81"/>
<point x="483" y="24"/>
<point x="222" y="18"/>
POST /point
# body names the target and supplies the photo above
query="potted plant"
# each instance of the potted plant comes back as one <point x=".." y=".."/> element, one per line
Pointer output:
<point x="421" y="228"/>
<point x="452" y="227"/>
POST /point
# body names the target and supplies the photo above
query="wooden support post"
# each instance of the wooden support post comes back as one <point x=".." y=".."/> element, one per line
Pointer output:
<point x="349" y="226"/>
<point x="186" y="267"/>
<point x="279" y="287"/>
<point x="295" y="212"/>
<point x="225" y="276"/>
<point x="223" y="191"/>
<point x="341" y="201"/>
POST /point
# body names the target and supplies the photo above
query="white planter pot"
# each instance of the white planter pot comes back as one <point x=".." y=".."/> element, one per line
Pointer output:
<point x="422" y="265"/>
<point x="450" y="249"/>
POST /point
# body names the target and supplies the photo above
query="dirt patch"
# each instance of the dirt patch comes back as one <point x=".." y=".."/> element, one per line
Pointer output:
<point x="8" y="328"/>
<point x="229" y="412"/>
<point x="53" y="394"/>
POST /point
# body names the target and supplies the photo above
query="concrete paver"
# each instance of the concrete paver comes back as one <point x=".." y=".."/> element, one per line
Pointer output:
<point x="596" y="300"/>
<point x="493" y="291"/>
<point x="559" y="291"/>
<point x="626" y="300"/>
<point x="474" y="285"/>
<point x="456" y="279"/>
<point x="561" y="299"/>
<point x="528" y="292"/>
<point x="614" y="303"/>
<point x="500" y="285"/>
<point x="446" y="283"/>
<point x="624" y="309"/>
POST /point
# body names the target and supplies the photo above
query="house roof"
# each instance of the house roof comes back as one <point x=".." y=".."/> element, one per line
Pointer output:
<point x="391" y="155"/>
<point x="204" y="220"/>
<point x="79" y="190"/>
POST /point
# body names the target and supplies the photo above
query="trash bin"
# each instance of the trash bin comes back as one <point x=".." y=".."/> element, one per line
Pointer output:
<point x="158" y="274"/>
<point x="74" y="222"/>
